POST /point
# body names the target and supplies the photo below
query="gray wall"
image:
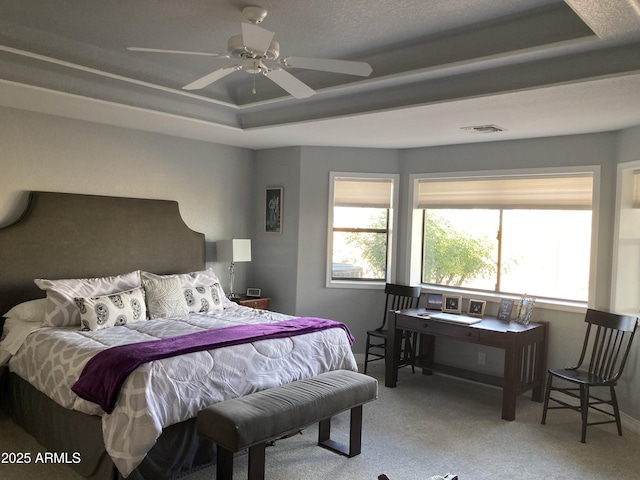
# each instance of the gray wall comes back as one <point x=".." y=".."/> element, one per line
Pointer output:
<point x="361" y="308"/>
<point x="41" y="152"/>
<point x="274" y="267"/>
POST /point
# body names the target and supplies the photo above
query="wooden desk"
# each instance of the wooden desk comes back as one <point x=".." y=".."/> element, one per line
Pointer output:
<point x="525" y="348"/>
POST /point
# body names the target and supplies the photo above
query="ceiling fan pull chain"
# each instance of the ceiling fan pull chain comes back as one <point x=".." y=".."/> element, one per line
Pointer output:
<point x="254" y="84"/>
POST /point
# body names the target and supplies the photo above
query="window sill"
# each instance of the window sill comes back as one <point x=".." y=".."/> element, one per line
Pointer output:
<point x="367" y="285"/>
<point x="544" y="304"/>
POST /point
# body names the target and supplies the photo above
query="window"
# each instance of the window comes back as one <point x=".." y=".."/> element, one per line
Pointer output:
<point x="361" y="225"/>
<point x="508" y="234"/>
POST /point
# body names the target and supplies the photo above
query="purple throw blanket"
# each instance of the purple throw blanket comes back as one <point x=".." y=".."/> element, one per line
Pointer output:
<point x="104" y="374"/>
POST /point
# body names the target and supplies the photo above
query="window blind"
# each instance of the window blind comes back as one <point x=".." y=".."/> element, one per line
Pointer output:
<point x="570" y="192"/>
<point x="362" y="192"/>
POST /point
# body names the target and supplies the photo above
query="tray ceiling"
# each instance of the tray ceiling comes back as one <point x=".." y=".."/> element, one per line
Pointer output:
<point x="534" y="67"/>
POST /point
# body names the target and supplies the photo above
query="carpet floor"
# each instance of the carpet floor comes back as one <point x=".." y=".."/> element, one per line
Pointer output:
<point x="428" y="425"/>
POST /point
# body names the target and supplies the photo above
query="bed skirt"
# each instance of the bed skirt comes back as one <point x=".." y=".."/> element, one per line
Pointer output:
<point x="179" y="450"/>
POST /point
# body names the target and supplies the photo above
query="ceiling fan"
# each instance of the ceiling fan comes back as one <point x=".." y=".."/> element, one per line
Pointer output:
<point x="259" y="53"/>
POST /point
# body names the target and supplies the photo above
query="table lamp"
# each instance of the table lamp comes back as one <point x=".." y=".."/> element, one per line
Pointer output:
<point x="235" y="250"/>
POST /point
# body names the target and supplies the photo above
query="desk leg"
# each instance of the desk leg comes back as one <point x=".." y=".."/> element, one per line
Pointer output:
<point x="540" y="367"/>
<point x="392" y="351"/>
<point x="511" y="378"/>
<point x="427" y="353"/>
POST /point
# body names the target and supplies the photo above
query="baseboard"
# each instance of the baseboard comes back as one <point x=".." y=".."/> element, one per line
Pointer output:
<point x="630" y="423"/>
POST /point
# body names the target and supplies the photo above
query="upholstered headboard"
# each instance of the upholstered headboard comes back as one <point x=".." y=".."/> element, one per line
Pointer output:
<point x="64" y="235"/>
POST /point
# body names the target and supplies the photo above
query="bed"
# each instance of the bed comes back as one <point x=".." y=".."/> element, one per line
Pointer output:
<point x="132" y="245"/>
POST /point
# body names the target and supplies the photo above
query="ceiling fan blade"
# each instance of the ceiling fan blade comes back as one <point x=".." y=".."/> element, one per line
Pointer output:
<point x="290" y="83"/>
<point x="256" y="38"/>
<point x="183" y="52"/>
<point x="328" y="65"/>
<point x="212" y="77"/>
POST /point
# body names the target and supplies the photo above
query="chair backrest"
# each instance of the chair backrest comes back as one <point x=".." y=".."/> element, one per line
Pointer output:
<point x="608" y="341"/>
<point x="399" y="297"/>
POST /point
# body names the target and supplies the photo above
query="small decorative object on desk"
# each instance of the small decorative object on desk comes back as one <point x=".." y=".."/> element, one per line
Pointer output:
<point x="254" y="292"/>
<point x="476" y="308"/>
<point x="525" y="309"/>
<point x="505" y="309"/>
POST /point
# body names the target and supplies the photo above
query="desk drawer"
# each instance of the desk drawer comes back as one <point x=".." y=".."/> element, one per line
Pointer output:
<point x="438" y="328"/>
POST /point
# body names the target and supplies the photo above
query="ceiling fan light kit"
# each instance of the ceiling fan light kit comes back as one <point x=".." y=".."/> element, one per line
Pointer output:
<point x="259" y="53"/>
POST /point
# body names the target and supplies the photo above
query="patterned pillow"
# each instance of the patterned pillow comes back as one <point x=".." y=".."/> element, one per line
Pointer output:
<point x="201" y="278"/>
<point x="165" y="298"/>
<point x="61" y="309"/>
<point x="204" y="299"/>
<point x="112" y="310"/>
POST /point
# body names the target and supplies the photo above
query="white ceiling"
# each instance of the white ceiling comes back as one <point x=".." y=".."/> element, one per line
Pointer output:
<point x="534" y="67"/>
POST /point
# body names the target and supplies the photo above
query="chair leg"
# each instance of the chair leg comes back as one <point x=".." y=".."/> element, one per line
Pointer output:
<point x="584" y="409"/>
<point x="546" y="398"/>
<point x="409" y="352"/>
<point x="366" y="355"/>
<point x="616" y="412"/>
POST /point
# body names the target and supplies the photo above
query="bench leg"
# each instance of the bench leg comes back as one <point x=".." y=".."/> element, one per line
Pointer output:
<point x="256" y="461"/>
<point x="355" y="435"/>
<point x="224" y="464"/>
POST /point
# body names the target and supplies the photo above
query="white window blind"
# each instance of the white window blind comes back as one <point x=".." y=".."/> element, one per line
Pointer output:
<point x="361" y="192"/>
<point x="570" y="192"/>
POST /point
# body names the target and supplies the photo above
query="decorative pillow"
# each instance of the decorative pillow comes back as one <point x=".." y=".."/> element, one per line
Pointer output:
<point x="165" y="297"/>
<point x="61" y="309"/>
<point x="204" y="299"/>
<point x="112" y="310"/>
<point x="31" y="311"/>
<point x="201" y="278"/>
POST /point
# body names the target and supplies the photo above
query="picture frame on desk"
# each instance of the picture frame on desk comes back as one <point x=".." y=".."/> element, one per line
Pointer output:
<point x="452" y="303"/>
<point x="525" y="309"/>
<point x="505" y="309"/>
<point x="476" y="308"/>
<point x="434" y="301"/>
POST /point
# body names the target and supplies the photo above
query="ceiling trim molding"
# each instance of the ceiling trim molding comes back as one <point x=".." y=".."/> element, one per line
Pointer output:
<point x="102" y="73"/>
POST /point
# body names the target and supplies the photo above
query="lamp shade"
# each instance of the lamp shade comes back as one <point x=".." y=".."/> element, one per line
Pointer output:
<point x="235" y="250"/>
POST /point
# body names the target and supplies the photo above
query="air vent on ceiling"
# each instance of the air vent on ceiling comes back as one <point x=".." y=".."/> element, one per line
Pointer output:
<point x="484" y="129"/>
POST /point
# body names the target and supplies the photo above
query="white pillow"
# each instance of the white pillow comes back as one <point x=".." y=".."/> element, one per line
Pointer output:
<point x="61" y="309"/>
<point x="112" y="310"/>
<point x="31" y="311"/>
<point x="204" y="299"/>
<point x="165" y="297"/>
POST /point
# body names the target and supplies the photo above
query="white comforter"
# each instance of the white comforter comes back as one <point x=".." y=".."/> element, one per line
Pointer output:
<point x="164" y="392"/>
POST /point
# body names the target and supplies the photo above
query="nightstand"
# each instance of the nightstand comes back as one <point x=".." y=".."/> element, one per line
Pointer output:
<point x="253" y="302"/>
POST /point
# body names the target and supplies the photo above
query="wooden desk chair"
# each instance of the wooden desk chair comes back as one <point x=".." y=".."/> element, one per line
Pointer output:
<point x="608" y="338"/>
<point x="398" y="297"/>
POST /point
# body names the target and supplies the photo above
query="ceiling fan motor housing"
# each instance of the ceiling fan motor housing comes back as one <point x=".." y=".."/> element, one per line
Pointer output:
<point x="236" y="48"/>
<point x="255" y="15"/>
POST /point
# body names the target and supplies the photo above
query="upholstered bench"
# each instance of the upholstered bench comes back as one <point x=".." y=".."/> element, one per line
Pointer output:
<point x="254" y="420"/>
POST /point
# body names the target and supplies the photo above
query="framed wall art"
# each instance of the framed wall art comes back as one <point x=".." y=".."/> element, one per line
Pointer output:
<point x="273" y="209"/>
